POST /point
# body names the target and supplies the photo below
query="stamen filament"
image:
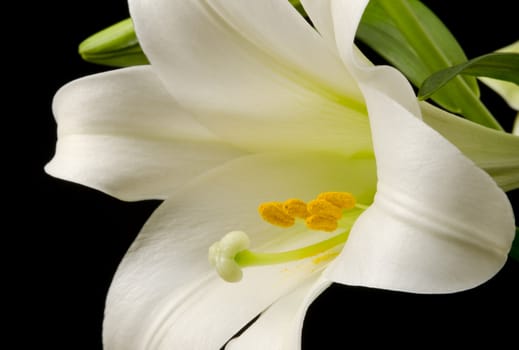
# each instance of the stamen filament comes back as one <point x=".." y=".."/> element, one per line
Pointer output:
<point x="247" y="258"/>
<point x="361" y="206"/>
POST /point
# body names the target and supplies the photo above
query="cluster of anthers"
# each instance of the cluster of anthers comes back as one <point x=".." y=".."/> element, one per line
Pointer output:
<point x="320" y="214"/>
<point x="231" y="253"/>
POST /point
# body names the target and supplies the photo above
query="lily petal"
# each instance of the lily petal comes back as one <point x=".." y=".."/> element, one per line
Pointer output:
<point x="321" y="15"/>
<point x="203" y="314"/>
<point x="121" y="132"/>
<point x="279" y="327"/>
<point x="507" y="90"/>
<point x="439" y="223"/>
<point x="494" y="151"/>
<point x="264" y="82"/>
<point x="175" y="296"/>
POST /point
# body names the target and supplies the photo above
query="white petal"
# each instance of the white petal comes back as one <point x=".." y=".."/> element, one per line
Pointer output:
<point x="321" y="15"/>
<point x="438" y="224"/>
<point x="201" y="315"/>
<point x="280" y="326"/>
<point x="165" y="290"/>
<point x="264" y="81"/>
<point x="122" y="133"/>
<point x="493" y="151"/>
<point x="507" y="90"/>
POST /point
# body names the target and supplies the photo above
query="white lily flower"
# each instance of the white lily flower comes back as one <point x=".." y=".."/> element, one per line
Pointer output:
<point x="245" y="103"/>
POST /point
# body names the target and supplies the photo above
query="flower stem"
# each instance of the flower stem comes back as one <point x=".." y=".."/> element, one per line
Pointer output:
<point x="247" y="258"/>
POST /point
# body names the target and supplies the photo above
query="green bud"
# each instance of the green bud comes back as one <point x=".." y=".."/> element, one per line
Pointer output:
<point x="115" y="46"/>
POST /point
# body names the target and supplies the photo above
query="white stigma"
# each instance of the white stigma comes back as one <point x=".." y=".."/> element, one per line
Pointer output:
<point x="222" y="255"/>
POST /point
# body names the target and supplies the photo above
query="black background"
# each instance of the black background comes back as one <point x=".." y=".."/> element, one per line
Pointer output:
<point x="63" y="241"/>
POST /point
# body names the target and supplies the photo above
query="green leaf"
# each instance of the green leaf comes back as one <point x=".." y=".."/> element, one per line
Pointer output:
<point x="514" y="252"/>
<point x="413" y="39"/>
<point x="115" y="46"/>
<point x="379" y="30"/>
<point x="502" y="66"/>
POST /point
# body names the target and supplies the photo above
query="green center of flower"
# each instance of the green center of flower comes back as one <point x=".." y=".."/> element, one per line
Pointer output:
<point x="231" y="253"/>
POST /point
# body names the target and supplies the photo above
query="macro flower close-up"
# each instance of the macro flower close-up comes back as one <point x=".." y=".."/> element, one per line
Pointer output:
<point x="286" y="161"/>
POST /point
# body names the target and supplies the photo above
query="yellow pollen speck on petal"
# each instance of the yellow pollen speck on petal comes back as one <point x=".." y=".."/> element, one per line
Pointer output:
<point x="321" y="207"/>
<point x="296" y="208"/>
<point x="273" y="213"/>
<point x="342" y="200"/>
<point x="321" y="223"/>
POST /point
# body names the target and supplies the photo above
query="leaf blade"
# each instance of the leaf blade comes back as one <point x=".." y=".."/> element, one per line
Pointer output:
<point x="378" y="30"/>
<point x="502" y="66"/>
<point x="426" y="42"/>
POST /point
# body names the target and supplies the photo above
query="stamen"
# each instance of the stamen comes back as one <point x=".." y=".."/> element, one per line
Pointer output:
<point x="343" y="200"/>
<point x="361" y="206"/>
<point x="296" y="208"/>
<point x="321" y="207"/>
<point x="321" y="223"/>
<point x="321" y="213"/>
<point x="273" y="213"/>
<point x="231" y="253"/>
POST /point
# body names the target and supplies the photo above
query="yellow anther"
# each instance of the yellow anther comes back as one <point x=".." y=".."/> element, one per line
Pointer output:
<point x="342" y="200"/>
<point x="273" y="213"/>
<point x="321" y="223"/>
<point x="321" y="207"/>
<point x="296" y="208"/>
<point x="321" y="213"/>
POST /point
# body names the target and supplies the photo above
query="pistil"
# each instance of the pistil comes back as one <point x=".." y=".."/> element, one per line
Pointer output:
<point x="248" y="258"/>
<point x="231" y="253"/>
